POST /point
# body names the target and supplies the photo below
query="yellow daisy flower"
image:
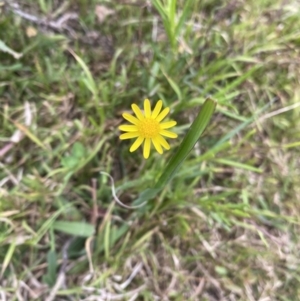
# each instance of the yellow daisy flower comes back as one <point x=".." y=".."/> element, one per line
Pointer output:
<point x="148" y="128"/>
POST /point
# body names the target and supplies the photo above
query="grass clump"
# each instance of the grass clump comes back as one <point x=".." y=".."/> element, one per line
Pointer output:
<point x="225" y="227"/>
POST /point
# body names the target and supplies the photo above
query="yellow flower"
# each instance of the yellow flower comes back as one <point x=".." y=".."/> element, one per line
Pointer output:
<point x="148" y="128"/>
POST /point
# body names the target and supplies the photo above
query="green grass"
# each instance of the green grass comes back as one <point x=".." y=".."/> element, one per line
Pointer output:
<point x="226" y="227"/>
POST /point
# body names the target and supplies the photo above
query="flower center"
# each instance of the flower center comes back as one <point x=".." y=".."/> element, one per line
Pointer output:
<point x="149" y="128"/>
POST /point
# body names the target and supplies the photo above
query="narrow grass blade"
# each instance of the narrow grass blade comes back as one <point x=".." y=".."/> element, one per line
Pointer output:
<point x="290" y="145"/>
<point x="94" y="152"/>
<point x="240" y="79"/>
<point x="75" y="228"/>
<point x="158" y="5"/>
<point x="89" y="81"/>
<point x="107" y="236"/>
<point x="183" y="16"/>
<point x="48" y="224"/>
<point x="165" y="15"/>
<point x="8" y="257"/>
<point x="239" y="165"/>
<point x="173" y="85"/>
<point x="243" y="124"/>
<point x="51" y="276"/>
<point x="172" y="13"/>
<point x="30" y="135"/>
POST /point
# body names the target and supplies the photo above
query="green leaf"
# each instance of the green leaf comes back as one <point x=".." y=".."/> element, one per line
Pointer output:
<point x="193" y="135"/>
<point x="183" y="16"/>
<point x="69" y="162"/>
<point x="165" y="15"/>
<point x="8" y="257"/>
<point x="173" y="85"/>
<point x="293" y="144"/>
<point x="78" y="150"/>
<point x="146" y="195"/>
<point x="239" y="79"/>
<point x="239" y="165"/>
<point x="221" y="270"/>
<point x="89" y="80"/>
<point x="75" y="228"/>
<point x="117" y="233"/>
<point x="162" y="11"/>
<point x="172" y="13"/>
<point x="77" y="247"/>
<point x="242" y="125"/>
<point x="50" y="277"/>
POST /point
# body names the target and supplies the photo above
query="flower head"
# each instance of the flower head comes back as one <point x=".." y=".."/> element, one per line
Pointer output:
<point x="148" y="128"/>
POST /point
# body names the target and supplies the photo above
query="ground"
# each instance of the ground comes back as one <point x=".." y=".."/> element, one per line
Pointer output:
<point x="226" y="227"/>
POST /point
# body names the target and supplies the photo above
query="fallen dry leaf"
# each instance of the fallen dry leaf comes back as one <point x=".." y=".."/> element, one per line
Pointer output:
<point x="102" y="12"/>
<point x="31" y="32"/>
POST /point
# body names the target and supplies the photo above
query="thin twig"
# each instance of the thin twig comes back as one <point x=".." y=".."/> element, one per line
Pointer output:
<point x="280" y="111"/>
<point x="115" y="196"/>
<point x="135" y="271"/>
<point x="62" y="272"/>
<point x="59" y="24"/>
<point x="95" y="206"/>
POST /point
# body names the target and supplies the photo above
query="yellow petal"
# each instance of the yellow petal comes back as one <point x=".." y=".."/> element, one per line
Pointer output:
<point x="128" y="128"/>
<point x="157" y="109"/>
<point x="147" y="108"/>
<point x="137" y="111"/>
<point x="147" y="146"/>
<point x="129" y="135"/>
<point x="168" y="134"/>
<point x="162" y="115"/>
<point x="130" y="118"/>
<point x="157" y="145"/>
<point x="167" y="125"/>
<point x="163" y="142"/>
<point x="136" y="144"/>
